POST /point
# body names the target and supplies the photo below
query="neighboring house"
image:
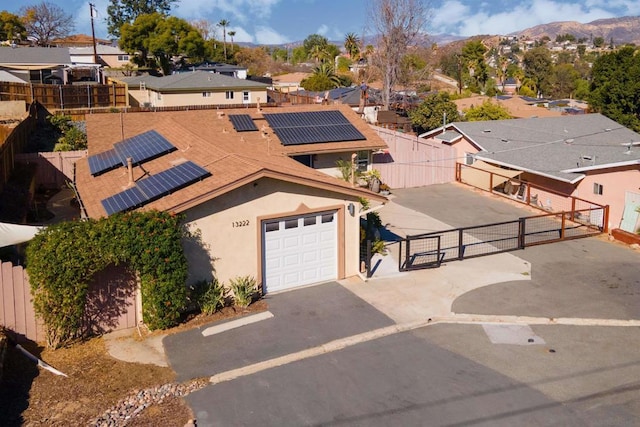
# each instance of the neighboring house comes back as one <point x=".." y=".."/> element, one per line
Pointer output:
<point x="394" y="121"/>
<point x="587" y="156"/>
<point x="289" y="82"/>
<point x="80" y="40"/>
<point x="519" y="107"/>
<point x="217" y="68"/>
<point x="509" y="87"/>
<point x="37" y="64"/>
<point x="193" y="88"/>
<point x="258" y="211"/>
<point x="108" y="56"/>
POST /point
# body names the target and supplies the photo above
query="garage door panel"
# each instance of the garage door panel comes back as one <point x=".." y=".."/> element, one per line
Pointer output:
<point x="272" y="245"/>
<point x="291" y="242"/>
<point x="300" y="251"/>
<point x="291" y="260"/>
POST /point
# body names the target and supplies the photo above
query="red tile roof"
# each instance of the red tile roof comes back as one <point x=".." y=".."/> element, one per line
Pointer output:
<point x="207" y="138"/>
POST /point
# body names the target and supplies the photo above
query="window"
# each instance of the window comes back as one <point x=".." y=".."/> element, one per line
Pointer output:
<point x="597" y="188"/>
<point x="305" y="159"/>
<point x="327" y="218"/>
<point x="206" y="94"/>
<point x="123" y="58"/>
<point x="309" y="220"/>
<point x="363" y="161"/>
<point x="229" y="94"/>
<point x="291" y="223"/>
<point x="245" y="96"/>
<point x="468" y="159"/>
<point x="272" y="226"/>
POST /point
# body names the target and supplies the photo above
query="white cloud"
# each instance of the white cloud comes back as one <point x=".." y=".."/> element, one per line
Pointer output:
<point x="241" y="36"/>
<point x="323" y="30"/>
<point x="455" y="17"/>
<point x="266" y="35"/>
<point x="241" y="11"/>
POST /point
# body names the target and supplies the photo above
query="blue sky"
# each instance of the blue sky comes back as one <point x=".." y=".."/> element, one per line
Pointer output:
<point x="283" y="21"/>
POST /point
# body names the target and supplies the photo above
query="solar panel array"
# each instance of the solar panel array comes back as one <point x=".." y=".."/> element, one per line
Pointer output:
<point x="313" y="127"/>
<point x="140" y="148"/>
<point x="242" y="122"/>
<point x="154" y="187"/>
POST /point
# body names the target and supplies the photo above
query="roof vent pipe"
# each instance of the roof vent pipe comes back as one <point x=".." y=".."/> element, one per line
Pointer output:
<point x="130" y="170"/>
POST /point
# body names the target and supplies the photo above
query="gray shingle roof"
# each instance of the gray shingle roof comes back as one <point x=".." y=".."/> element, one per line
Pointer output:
<point x="197" y="80"/>
<point x="559" y="147"/>
<point x="35" y="55"/>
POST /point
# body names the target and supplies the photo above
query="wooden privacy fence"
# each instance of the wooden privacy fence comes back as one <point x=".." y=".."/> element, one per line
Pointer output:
<point x="112" y="302"/>
<point x="54" y="169"/>
<point x="66" y="96"/>
<point x="14" y="143"/>
<point x="413" y="162"/>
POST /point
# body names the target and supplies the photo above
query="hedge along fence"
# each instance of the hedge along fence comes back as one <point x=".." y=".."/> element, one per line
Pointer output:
<point x="63" y="258"/>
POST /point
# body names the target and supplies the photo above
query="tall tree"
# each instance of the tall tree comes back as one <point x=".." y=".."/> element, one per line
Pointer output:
<point x="615" y="87"/>
<point x="11" y="27"/>
<point x="323" y="78"/>
<point x="397" y="24"/>
<point x="206" y="29"/>
<point x="120" y="12"/>
<point x="256" y="59"/>
<point x="474" y="64"/>
<point x="224" y="24"/>
<point x="488" y="110"/>
<point x="433" y="112"/>
<point x="162" y="38"/>
<point x="538" y="64"/>
<point x="46" y="22"/>
<point x="352" y="45"/>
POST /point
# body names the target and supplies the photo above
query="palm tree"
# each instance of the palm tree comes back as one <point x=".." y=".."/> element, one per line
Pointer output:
<point x="224" y="24"/>
<point x="318" y="53"/>
<point x="369" y="50"/>
<point x="326" y="70"/>
<point x="352" y="45"/>
<point x="231" y="34"/>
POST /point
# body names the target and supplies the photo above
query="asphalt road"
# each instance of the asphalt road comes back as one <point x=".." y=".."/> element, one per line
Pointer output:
<point x="442" y="374"/>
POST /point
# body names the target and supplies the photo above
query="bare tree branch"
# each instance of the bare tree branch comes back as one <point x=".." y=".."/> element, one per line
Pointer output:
<point x="396" y="25"/>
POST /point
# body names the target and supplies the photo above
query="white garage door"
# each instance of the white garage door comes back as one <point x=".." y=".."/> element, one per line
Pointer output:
<point x="300" y="250"/>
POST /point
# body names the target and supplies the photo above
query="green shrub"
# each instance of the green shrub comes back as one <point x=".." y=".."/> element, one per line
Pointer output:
<point x="63" y="258"/>
<point x="213" y="298"/>
<point x="244" y="290"/>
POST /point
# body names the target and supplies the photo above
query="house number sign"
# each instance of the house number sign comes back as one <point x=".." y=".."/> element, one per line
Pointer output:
<point x="242" y="223"/>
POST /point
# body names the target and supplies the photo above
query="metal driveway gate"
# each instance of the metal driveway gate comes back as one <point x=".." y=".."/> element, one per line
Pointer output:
<point x="431" y="249"/>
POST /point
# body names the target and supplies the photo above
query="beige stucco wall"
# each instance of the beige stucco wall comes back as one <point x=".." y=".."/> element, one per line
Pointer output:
<point x="216" y="98"/>
<point x="236" y="248"/>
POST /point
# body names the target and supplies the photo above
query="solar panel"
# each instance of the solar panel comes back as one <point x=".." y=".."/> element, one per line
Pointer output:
<point x="306" y="119"/>
<point x="153" y="187"/>
<point x="144" y="147"/>
<point x="312" y="135"/>
<point x="125" y="200"/>
<point x="104" y="162"/>
<point x="171" y="180"/>
<point x="242" y="122"/>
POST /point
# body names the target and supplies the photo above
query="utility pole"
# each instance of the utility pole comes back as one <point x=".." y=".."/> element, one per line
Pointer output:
<point x="93" y="34"/>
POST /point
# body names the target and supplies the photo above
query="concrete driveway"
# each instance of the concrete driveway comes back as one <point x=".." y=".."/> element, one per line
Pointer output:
<point x="543" y="336"/>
